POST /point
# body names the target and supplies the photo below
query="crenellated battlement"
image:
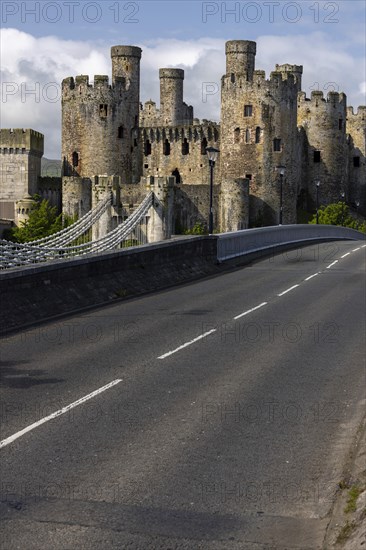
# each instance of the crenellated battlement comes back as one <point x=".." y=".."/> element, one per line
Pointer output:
<point x="317" y="98"/>
<point x="360" y="112"/>
<point x="277" y="83"/>
<point x="80" y="85"/>
<point x="19" y="138"/>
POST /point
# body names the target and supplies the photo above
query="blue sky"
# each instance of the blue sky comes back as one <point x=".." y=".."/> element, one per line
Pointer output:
<point x="43" y="42"/>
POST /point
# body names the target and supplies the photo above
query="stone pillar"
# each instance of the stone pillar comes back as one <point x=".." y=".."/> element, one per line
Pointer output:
<point x="103" y="187"/>
<point x="160" y="215"/>
<point x="76" y="196"/>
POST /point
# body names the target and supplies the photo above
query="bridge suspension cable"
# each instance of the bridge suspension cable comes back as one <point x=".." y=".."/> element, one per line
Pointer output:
<point x="77" y="229"/>
<point x="16" y="254"/>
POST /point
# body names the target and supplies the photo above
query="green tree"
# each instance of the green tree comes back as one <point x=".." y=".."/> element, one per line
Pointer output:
<point x="197" y="229"/>
<point x="338" y="214"/>
<point x="43" y="221"/>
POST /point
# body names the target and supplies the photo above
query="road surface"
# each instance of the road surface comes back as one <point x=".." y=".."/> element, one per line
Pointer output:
<point x="215" y="415"/>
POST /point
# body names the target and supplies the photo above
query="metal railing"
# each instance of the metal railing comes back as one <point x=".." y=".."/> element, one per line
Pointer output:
<point x="239" y="243"/>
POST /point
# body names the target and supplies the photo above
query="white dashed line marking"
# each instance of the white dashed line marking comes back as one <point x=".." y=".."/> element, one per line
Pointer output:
<point x="64" y="410"/>
<point x="344" y="255"/>
<point x="311" y="276"/>
<point x="288" y="290"/>
<point x="330" y="265"/>
<point x="250" y="310"/>
<point x="187" y="344"/>
<point x="354" y="250"/>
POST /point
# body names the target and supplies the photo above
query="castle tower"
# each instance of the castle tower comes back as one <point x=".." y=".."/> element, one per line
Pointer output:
<point x="100" y="121"/>
<point x="173" y="110"/>
<point x="21" y="152"/>
<point x="259" y="132"/>
<point x="295" y="70"/>
<point x="240" y="58"/>
<point x="171" y="96"/>
<point x="325" y="149"/>
<point x="356" y="130"/>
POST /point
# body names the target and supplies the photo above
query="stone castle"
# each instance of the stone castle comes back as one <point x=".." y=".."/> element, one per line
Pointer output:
<point x="265" y="123"/>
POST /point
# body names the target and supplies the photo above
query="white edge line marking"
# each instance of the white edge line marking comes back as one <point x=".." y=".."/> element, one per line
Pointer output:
<point x="311" y="276"/>
<point x="250" y="310"/>
<point x="12" y="438"/>
<point x="187" y="344"/>
<point x="288" y="290"/>
<point x="330" y="265"/>
<point x="344" y="255"/>
<point x="363" y="246"/>
<point x="354" y="250"/>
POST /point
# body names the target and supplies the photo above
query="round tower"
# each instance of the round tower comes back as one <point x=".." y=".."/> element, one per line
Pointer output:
<point x="91" y="118"/>
<point x="100" y="121"/>
<point x="126" y="65"/>
<point x="171" y="96"/>
<point x="324" y="124"/>
<point x="258" y="132"/>
<point x="240" y="57"/>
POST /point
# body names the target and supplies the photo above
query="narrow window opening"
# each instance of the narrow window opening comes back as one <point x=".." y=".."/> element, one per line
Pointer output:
<point x="257" y="134"/>
<point x="340" y="124"/>
<point x="185" y="147"/>
<point x="248" y="110"/>
<point x="277" y="145"/>
<point x="120" y="132"/>
<point x="247" y="136"/>
<point x="204" y="146"/>
<point x="356" y="162"/>
<point x="75" y="159"/>
<point x="147" y="150"/>
<point x="237" y="135"/>
<point x="166" y="148"/>
<point x="317" y="156"/>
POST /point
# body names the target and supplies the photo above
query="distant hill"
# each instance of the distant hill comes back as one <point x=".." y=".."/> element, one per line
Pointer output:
<point x="51" y="167"/>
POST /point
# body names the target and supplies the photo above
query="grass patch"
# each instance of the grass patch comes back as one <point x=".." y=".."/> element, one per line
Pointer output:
<point x="353" y="495"/>
<point x="345" y="532"/>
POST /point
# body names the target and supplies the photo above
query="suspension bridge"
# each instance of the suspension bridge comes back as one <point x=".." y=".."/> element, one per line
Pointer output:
<point x="75" y="240"/>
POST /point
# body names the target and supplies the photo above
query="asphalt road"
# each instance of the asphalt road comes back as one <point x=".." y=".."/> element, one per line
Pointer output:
<point x="216" y="415"/>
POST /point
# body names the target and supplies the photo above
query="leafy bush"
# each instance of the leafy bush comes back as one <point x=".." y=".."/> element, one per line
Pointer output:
<point x="338" y="214"/>
<point x="197" y="229"/>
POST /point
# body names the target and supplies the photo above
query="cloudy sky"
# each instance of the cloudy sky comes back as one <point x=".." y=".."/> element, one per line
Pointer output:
<point x="43" y="42"/>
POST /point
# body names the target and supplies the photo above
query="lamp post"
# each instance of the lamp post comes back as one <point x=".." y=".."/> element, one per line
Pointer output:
<point x="342" y="197"/>
<point x="317" y="184"/>
<point x="357" y="205"/>
<point x="281" y="170"/>
<point x="212" y="154"/>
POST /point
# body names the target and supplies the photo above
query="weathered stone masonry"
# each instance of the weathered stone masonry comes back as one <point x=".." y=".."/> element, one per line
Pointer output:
<point x="265" y="123"/>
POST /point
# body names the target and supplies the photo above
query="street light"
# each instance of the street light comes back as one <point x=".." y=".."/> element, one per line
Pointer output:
<point x="212" y="154"/>
<point x="317" y="183"/>
<point x="281" y="170"/>
<point x="342" y="197"/>
<point x="357" y="205"/>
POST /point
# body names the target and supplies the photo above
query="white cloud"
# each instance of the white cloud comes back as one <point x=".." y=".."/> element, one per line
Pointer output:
<point x="28" y="62"/>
